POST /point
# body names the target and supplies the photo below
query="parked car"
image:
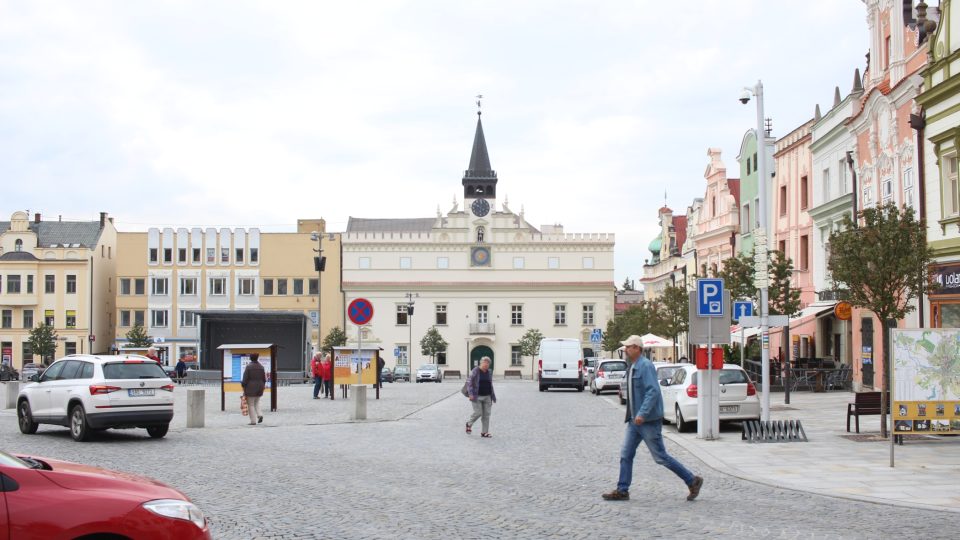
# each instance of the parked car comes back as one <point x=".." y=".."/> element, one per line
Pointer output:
<point x="30" y="371"/>
<point x="429" y="373"/>
<point x="8" y="373"/>
<point x="738" y="396"/>
<point x="665" y="372"/>
<point x="608" y="375"/>
<point x="401" y="373"/>
<point x="93" y="392"/>
<point x="560" y="364"/>
<point x="47" y="498"/>
<point x="386" y="375"/>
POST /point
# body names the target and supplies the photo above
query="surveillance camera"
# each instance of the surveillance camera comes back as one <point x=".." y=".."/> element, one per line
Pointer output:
<point x="745" y="97"/>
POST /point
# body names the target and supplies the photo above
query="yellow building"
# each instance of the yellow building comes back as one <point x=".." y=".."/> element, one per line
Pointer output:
<point x="165" y="276"/>
<point x="59" y="273"/>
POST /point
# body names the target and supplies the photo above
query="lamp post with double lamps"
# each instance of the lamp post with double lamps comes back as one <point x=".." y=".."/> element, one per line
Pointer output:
<point x="410" y="302"/>
<point x="319" y="263"/>
<point x="761" y="279"/>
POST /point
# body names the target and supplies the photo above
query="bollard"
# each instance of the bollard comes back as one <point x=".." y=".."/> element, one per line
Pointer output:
<point x="196" y="401"/>
<point x="13" y="390"/>
<point x="359" y="401"/>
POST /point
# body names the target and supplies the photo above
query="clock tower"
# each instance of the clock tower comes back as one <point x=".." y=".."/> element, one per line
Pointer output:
<point x="479" y="180"/>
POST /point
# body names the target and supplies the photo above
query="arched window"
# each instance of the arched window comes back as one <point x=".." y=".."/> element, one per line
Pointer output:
<point x="18" y="245"/>
<point x="479" y="235"/>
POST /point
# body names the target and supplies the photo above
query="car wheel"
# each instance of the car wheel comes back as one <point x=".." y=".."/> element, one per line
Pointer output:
<point x="157" y="432"/>
<point x="682" y="426"/>
<point x="79" y="429"/>
<point x="25" y="419"/>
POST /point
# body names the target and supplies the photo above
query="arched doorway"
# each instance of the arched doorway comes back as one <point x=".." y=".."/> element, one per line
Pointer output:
<point x="479" y="352"/>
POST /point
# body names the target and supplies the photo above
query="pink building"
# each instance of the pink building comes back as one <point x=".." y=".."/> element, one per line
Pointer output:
<point x="792" y="226"/>
<point x="718" y="222"/>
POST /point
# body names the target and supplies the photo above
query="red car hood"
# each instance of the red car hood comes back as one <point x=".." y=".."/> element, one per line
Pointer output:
<point x="85" y="477"/>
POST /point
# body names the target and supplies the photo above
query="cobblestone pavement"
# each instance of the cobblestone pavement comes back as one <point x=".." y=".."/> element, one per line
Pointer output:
<point x="411" y="472"/>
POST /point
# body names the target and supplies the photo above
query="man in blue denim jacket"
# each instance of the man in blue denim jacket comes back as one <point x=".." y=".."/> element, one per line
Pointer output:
<point x="644" y="420"/>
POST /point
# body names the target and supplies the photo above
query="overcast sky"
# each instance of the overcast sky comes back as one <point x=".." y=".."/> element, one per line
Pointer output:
<point x="255" y="114"/>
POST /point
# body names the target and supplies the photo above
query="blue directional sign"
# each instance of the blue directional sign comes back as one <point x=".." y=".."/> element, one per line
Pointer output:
<point x="710" y="297"/>
<point x="596" y="336"/>
<point x="742" y="309"/>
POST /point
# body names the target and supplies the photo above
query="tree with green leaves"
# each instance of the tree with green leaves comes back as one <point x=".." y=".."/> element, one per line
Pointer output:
<point x="738" y="277"/>
<point x="43" y="342"/>
<point x="783" y="300"/>
<point x="530" y="344"/>
<point x="335" y="338"/>
<point x="885" y="265"/>
<point x="137" y="337"/>
<point x="639" y="319"/>
<point x="432" y="343"/>
<point x="627" y="285"/>
<point x="675" y="312"/>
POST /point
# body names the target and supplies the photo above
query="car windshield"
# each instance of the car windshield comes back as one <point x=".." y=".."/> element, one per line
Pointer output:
<point x="133" y="370"/>
<point x="729" y="376"/>
<point x="428" y="367"/>
<point x="666" y="372"/>
<point x="614" y="366"/>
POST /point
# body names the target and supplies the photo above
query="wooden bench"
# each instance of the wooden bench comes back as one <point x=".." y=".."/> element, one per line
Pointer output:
<point x="864" y="403"/>
<point x="512" y="373"/>
<point x="452" y="373"/>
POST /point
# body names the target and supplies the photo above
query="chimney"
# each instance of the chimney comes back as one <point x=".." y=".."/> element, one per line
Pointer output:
<point x="103" y="219"/>
<point x="36" y="217"/>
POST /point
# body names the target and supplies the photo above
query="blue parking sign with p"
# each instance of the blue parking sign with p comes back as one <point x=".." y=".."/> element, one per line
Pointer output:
<point x="710" y="297"/>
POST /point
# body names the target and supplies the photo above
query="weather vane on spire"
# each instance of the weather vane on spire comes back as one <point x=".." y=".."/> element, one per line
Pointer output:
<point x="479" y="97"/>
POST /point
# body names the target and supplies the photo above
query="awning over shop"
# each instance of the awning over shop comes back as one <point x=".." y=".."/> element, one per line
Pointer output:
<point x="814" y="310"/>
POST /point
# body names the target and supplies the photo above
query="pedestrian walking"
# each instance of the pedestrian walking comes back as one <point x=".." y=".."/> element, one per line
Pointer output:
<point x="481" y="394"/>
<point x="326" y="373"/>
<point x="316" y="369"/>
<point x="644" y="418"/>
<point x="253" y="382"/>
<point x="181" y="370"/>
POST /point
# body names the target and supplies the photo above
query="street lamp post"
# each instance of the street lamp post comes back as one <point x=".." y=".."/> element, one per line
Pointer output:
<point x="319" y="262"/>
<point x="761" y="279"/>
<point x="410" y="302"/>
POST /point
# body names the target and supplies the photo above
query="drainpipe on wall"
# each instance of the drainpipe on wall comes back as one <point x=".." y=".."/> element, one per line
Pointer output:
<point x="918" y="122"/>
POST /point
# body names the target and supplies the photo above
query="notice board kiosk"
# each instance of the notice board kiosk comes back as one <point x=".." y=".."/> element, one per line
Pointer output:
<point x="236" y="356"/>
<point x="348" y="362"/>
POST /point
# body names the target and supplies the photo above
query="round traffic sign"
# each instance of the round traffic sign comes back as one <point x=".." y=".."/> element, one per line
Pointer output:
<point x="360" y="311"/>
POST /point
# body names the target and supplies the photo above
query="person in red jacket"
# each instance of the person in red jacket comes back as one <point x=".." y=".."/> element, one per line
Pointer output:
<point x="326" y="373"/>
<point x="152" y="354"/>
<point x="316" y="370"/>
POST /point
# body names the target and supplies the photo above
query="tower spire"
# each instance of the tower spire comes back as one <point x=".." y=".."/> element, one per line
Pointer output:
<point x="479" y="180"/>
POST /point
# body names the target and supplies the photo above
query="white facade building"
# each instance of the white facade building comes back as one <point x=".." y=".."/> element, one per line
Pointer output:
<point x="480" y="274"/>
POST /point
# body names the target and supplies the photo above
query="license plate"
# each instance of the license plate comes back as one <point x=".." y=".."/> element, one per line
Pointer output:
<point x="729" y="408"/>
<point x="550" y="372"/>
<point x="140" y="392"/>
<point x="616" y="375"/>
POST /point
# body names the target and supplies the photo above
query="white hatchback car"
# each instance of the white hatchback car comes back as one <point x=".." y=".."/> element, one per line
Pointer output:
<point x="607" y="375"/>
<point x="94" y="392"/>
<point x="738" y="396"/>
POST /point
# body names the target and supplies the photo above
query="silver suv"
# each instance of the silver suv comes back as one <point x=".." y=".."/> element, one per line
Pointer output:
<point x="94" y="392"/>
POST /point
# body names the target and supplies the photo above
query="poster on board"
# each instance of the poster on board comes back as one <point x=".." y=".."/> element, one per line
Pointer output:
<point x="926" y="381"/>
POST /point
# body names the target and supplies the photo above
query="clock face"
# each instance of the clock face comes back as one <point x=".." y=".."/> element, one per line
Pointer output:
<point x="480" y="207"/>
<point x="480" y="256"/>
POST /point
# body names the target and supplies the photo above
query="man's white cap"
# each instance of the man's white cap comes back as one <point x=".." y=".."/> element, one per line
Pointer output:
<point x="633" y="340"/>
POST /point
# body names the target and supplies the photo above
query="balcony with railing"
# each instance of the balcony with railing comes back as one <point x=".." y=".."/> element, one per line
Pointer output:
<point x="482" y="329"/>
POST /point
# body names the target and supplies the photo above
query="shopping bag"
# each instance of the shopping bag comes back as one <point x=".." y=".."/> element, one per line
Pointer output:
<point x="243" y="404"/>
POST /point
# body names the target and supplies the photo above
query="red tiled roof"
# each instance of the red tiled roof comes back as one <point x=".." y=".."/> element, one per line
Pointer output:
<point x="734" y="185"/>
<point x="680" y="229"/>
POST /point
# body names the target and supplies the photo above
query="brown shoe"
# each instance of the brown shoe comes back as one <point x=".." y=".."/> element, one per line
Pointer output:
<point x="695" y="487"/>
<point x="616" y="495"/>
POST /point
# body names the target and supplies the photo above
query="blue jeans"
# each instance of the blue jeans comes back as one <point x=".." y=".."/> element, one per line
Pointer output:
<point x="317" y="383"/>
<point x="649" y="432"/>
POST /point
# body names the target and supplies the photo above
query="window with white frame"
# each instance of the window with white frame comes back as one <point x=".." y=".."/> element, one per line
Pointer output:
<point x="188" y="319"/>
<point x="181" y="255"/>
<point x="908" y="186"/>
<point x="153" y="255"/>
<point x="158" y="286"/>
<point x="516" y="314"/>
<point x="483" y="313"/>
<point x="71" y="284"/>
<point x="218" y="286"/>
<point x="224" y="255"/>
<point x="402" y="318"/>
<point x="588" y="314"/>
<point x="196" y="255"/>
<point x="138" y="317"/>
<point x="281" y="286"/>
<point x="402" y="357"/>
<point x="267" y="287"/>
<point x="443" y="262"/>
<point x="887" y="187"/>
<point x="950" y="188"/>
<point x="188" y="286"/>
<point x="238" y="255"/>
<point x="559" y="314"/>
<point x="518" y="263"/>
<point x="516" y="359"/>
<point x="588" y="262"/>
<point x="842" y="177"/>
<point x="404" y="263"/>
<point x="441" y="314"/>
<point x="745" y="219"/>
<point x="363" y="263"/>
<point x="247" y="286"/>
<point x="124" y="317"/>
<point x="211" y="255"/>
<point x="298" y="286"/>
<point x="254" y="255"/>
<point x="167" y="255"/>
<point x="158" y="318"/>
<point x="553" y="262"/>
<point x="825" y="183"/>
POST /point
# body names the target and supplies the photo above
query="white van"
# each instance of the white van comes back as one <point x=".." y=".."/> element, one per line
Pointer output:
<point x="560" y="364"/>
